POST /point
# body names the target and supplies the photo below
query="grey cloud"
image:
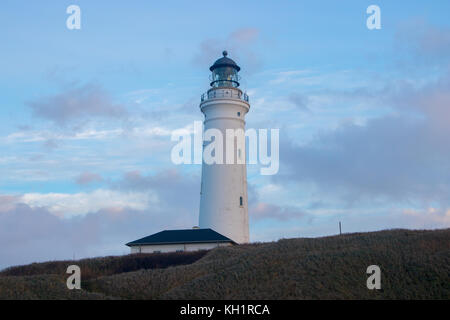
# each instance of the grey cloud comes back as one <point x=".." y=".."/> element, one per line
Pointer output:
<point x="34" y="234"/>
<point x="176" y="191"/>
<point x="240" y="46"/>
<point x="431" y="101"/>
<point x="7" y="202"/>
<point x="50" y="144"/>
<point x="79" y="103"/>
<point x="262" y="211"/>
<point x="421" y="42"/>
<point x="88" y="177"/>
<point x="300" y="101"/>
<point x="403" y="157"/>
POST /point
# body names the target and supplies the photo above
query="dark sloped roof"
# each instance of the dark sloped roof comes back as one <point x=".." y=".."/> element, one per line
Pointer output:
<point x="181" y="236"/>
<point x="224" y="62"/>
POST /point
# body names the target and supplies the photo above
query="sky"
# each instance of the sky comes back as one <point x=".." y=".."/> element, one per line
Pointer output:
<point x="86" y="118"/>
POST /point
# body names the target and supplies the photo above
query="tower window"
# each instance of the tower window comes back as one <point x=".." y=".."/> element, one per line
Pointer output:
<point x="241" y="201"/>
<point x="239" y="114"/>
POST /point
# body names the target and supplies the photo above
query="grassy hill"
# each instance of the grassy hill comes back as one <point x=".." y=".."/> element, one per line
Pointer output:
<point x="414" y="265"/>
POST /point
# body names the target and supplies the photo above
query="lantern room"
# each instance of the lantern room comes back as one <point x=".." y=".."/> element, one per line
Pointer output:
<point x="225" y="73"/>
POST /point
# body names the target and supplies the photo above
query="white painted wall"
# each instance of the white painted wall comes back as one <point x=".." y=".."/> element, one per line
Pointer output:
<point x="177" y="247"/>
<point x="223" y="184"/>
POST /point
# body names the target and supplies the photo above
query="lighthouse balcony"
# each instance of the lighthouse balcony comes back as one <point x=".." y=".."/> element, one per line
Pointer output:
<point x="224" y="93"/>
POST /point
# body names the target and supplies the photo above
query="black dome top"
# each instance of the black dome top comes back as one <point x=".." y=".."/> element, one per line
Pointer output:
<point x="224" y="62"/>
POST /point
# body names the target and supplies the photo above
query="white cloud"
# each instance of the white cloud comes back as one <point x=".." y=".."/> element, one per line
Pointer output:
<point x="287" y="76"/>
<point x="428" y="217"/>
<point x="88" y="134"/>
<point x="66" y="205"/>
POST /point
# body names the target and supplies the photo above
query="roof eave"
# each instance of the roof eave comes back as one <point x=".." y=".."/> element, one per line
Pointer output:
<point x="131" y="244"/>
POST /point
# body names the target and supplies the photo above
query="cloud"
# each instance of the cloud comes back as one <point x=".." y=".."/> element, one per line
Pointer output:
<point x="175" y="190"/>
<point x="35" y="234"/>
<point x="392" y="157"/>
<point x="263" y="211"/>
<point x="50" y="226"/>
<point x="88" y="177"/>
<point x="402" y="156"/>
<point x="7" y="202"/>
<point x="429" y="217"/>
<point x="260" y="208"/>
<point x="282" y="77"/>
<point x="79" y="103"/>
<point x="240" y="45"/>
<point x="300" y="101"/>
<point x="50" y="145"/>
<point x="431" y="100"/>
<point x="53" y="139"/>
<point x="67" y="205"/>
<point x="423" y="42"/>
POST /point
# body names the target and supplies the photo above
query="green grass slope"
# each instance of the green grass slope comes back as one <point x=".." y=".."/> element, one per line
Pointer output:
<point x="414" y="265"/>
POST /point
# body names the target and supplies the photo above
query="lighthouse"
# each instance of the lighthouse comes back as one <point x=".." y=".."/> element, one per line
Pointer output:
<point x="223" y="191"/>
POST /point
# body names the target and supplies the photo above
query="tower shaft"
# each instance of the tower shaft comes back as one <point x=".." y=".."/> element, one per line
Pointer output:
<point x="224" y="200"/>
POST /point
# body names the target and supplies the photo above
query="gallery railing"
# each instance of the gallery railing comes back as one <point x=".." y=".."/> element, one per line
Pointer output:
<point x="224" y="93"/>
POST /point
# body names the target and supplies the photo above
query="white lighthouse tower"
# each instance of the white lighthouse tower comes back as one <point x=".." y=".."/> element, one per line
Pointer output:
<point x="223" y="195"/>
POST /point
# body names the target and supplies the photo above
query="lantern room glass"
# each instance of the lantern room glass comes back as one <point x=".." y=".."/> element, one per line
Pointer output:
<point x="225" y="77"/>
